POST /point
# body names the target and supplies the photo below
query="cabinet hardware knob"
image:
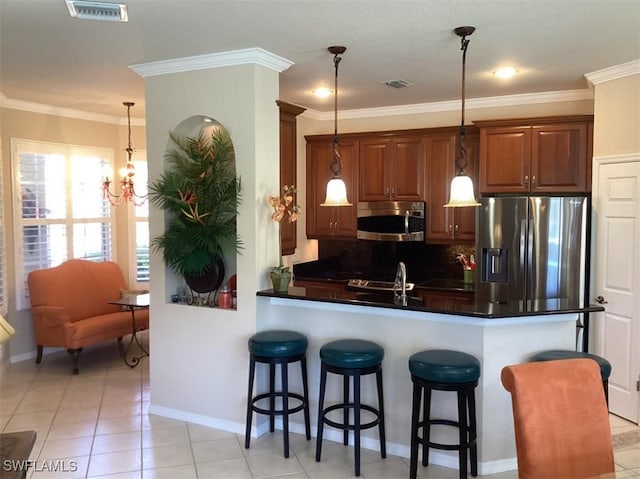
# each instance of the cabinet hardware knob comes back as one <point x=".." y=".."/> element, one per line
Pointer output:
<point x="533" y="181"/>
<point x="526" y="180"/>
<point x="601" y="300"/>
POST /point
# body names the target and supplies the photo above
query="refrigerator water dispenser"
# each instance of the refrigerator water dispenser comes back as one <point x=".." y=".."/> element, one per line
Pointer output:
<point x="495" y="265"/>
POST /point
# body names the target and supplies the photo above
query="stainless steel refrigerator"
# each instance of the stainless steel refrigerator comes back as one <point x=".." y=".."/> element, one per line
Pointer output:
<point x="532" y="247"/>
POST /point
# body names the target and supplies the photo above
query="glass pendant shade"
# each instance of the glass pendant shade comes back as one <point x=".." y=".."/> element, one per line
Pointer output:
<point x="461" y="193"/>
<point x="336" y="193"/>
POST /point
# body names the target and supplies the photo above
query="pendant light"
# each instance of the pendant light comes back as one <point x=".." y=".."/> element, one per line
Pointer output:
<point x="336" y="189"/>
<point x="126" y="192"/>
<point x="461" y="192"/>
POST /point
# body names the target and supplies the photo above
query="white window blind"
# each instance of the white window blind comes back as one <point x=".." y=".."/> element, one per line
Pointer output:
<point x="142" y="224"/>
<point x="3" y="250"/>
<point x="61" y="213"/>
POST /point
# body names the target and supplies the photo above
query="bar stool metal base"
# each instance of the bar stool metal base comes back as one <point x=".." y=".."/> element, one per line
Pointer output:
<point x="347" y="406"/>
<point x="284" y="394"/>
<point x="466" y="424"/>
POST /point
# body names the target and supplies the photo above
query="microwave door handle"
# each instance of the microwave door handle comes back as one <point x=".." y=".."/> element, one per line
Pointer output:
<point x="406" y="222"/>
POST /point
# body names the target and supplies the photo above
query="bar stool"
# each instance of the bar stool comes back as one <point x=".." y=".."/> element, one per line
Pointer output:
<point x="273" y="348"/>
<point x="444" y="370"/>
<point x="351" y="358"/>
<point x="553" y="354"/>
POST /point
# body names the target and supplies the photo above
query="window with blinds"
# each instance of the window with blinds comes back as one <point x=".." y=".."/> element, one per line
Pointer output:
<point x="60" y="213"/>
<point x="141" y="213"/>
<point x="3" y="250"/>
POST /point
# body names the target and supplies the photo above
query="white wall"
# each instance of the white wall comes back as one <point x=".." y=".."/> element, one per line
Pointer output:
<point x="199" y="356"/>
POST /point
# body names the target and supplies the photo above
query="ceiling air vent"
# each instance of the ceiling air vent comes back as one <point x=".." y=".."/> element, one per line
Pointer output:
<point x="109" y="12"/>
<point x="398" y="83"/>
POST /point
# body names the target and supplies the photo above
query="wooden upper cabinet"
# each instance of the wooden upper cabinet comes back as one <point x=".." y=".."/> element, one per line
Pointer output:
<point x="559" y="157"/>
<point x="391" y="169"/>
<point x="288" y="150"/>
<point x="448" y="225"/>
<point x="330" y="221"/>
<point x="544" y="156"/>
<point x="505" y="158"/>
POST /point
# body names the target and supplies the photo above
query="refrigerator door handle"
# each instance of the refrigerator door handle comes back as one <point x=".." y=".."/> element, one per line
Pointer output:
<point x="531" y="269"/>
<point x="523" y="256"/>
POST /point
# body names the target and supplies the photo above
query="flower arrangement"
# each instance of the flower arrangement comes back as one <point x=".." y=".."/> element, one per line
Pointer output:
<point x="283" y="207"/>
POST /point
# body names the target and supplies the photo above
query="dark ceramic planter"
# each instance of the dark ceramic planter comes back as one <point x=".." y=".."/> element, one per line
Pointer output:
<point x="209" y="281"/>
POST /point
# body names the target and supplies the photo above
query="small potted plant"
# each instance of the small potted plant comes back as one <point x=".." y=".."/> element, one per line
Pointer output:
<point x="201" y="194"/>
<point x="282" y="207"/>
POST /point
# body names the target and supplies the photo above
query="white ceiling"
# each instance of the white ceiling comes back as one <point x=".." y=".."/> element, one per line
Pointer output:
<point x="49" y="58"/>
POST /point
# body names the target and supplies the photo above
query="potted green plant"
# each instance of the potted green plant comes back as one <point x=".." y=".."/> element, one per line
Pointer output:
<point x="200" y="193"/>
<point x="282" y="207"/>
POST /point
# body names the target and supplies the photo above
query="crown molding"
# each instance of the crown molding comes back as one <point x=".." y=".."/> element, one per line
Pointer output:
<point x="214" y="60"/>
<point x="43" y="109"/>
<point x="455" y="105"/>
<point x="415" y="109"/>
<point x="614" y="73"/>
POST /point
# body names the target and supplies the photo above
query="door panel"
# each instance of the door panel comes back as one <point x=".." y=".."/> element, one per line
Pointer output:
<point x="617" y="332"/>
<point x="408" y="169"/>
<point x="374" y="175"/>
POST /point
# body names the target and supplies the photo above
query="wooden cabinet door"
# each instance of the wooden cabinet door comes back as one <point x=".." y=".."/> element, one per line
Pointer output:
<point x="373" y="162"/>
<point x="445" y="299"/>
<point x="323" y="221"/>
<point x="505" y="158"/>
<point x="465" y="218"/>
<point x="448" y="225"/>
<point x="319" y="219"/>
<point x="440" y="169"/>
<point x="408" y="169"/>
<point x="288" y="150"/>
<point x="559" y="158"/>
<point x="345" y="220"/>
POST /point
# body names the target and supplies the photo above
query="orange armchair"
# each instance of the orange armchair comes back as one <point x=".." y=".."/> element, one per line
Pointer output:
<point x="561" y="421"/>
<point x="70" y="306"/>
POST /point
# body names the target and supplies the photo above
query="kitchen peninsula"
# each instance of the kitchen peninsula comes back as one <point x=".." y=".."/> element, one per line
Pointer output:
<point x="497" y="335"/>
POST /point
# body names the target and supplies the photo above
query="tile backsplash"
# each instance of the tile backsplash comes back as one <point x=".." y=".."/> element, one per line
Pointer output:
<point x="379" y="259"/>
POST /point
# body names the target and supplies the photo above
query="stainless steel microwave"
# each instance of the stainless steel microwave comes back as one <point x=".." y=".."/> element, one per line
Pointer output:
<point x="391" y="220"/>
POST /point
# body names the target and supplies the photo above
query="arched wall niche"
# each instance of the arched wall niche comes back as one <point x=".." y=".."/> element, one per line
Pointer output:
<point x="177" y="288"/>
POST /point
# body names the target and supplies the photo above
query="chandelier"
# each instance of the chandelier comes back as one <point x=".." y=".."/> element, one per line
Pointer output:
<point x="461" y="193"/>
<point x="336" y="189"/>
<point x="126" y="191"/>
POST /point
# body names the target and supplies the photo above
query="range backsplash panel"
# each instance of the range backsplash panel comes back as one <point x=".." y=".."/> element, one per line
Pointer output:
<point x="379" y="259"/>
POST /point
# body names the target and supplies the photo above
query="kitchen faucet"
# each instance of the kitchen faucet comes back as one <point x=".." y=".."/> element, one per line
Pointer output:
<point x="400" y="284"/>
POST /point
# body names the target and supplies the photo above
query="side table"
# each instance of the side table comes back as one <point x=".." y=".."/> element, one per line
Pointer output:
<point x="131" y="303"/>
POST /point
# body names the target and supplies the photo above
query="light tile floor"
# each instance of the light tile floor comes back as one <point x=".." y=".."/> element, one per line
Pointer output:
<point x="98" y="424"/>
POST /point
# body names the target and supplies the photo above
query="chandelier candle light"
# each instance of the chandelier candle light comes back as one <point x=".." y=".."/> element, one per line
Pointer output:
<point x="461" y="193"/>
<point x="127" y="190"/>
<point x="336" y="189"/>
<point x="282" y="206"/>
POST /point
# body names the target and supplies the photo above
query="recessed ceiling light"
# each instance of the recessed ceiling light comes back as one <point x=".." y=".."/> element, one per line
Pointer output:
<point x="322" y="92"/>
<point x="505" y="72"/>
<point x="110" y="12"/>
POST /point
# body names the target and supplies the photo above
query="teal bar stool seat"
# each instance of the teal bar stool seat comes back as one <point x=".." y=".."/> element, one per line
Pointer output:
<point x="554" y="354"/>
<point x="444" y="370"/>
<point x="278" y="347"/>
<point x="351" y="358"/>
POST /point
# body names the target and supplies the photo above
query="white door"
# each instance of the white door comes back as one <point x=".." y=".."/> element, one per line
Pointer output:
<point x="616" y="219"/>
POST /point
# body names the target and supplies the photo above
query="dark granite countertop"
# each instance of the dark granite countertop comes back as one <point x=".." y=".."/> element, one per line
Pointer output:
<point x="433" y="305"/>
